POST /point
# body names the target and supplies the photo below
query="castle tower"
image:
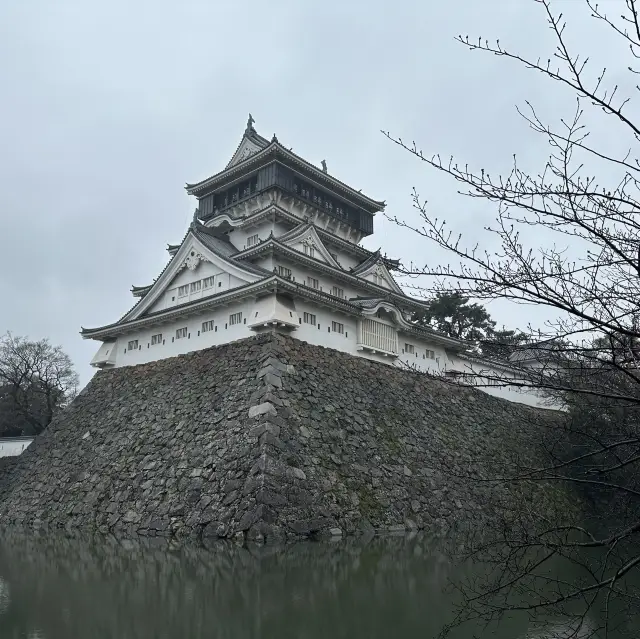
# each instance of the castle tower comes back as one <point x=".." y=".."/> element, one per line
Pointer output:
<point x="274" y="245"/>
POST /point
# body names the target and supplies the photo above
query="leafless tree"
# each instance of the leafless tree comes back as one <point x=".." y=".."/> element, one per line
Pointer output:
<point x="36" y="380"/>
<point x="587" y="274"/>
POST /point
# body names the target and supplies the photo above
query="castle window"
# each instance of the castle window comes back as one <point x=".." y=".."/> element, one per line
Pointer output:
<point x="312" y="282"/>
<point x="181" y="332"/>
<point x="337" y="292"/>
<point x="431" y="354"/>
<point x="337" y="327"/>
<point x="309" y="318"/>
<point x="309" y="250"/>
<point x="378" y="279"/>
<point x="252" y="240"/>
<point x="409" y="349"/>
<point x="183" y="291"/>
<point x="235" y="318"/>
<point x="156" y="339"/>
<point x="196" y="286"/>
<point x="207" y="282"/>
<point x="283" y="271"/>
<point x="132" y="345"/>
<point x="207" y="326"/>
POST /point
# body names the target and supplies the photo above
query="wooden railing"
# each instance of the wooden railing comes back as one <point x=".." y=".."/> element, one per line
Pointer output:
<point x="378" y="336"/>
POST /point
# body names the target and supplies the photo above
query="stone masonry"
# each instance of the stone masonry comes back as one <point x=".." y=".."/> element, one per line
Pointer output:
<point x="271" y="438"/>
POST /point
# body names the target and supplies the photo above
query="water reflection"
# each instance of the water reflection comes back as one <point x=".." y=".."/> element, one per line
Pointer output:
<point x="53" y="587"/>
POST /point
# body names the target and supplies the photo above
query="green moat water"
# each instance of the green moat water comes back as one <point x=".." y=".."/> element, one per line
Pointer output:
<point x="55" y="587"/>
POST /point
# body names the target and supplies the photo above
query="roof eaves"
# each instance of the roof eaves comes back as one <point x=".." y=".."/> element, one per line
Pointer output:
<point x="98" y="333"/>
<point x="273" y="244"/>
<point x="276" y="148"/>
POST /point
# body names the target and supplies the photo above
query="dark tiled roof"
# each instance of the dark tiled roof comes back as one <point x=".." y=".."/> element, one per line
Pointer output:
<point x="224" y="248"/>
<point x="541" y="352"/>
<point x="276" y="149"/>
<point x="370" y="261"/>
<point x="252" y="135"/>
<point x="295" y="232"/>
<point x="368" y="302"/>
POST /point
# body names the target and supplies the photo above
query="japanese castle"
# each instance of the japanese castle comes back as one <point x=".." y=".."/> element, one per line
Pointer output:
<point x="274" y="245"/>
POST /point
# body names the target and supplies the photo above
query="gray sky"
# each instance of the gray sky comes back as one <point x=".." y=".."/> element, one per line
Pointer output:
<point x="107" y="109"/>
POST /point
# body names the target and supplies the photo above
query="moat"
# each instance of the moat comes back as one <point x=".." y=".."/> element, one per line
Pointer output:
<point x="54" y="587"/>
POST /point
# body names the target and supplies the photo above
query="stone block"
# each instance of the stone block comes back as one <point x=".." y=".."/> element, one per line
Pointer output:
<point x="266" y="408"/>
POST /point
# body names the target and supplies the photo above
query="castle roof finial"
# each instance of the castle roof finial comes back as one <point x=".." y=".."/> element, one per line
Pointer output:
<point x="324" y="165"/>
<point x="195" y="221"/>
<point x="250" y="123"/>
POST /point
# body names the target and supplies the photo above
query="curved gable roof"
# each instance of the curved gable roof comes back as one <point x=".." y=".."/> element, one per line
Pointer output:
<point x="376" y="262"/>
<point x="217" y="250"/>
<point x="308" y="232"/>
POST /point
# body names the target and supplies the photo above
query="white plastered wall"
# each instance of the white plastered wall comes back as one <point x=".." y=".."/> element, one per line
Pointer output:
<point x="13" y="447"/>
<point x="196" y="339"/>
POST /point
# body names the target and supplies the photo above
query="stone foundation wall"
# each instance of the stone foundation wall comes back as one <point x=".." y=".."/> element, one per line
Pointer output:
<point x="272" y="438"/>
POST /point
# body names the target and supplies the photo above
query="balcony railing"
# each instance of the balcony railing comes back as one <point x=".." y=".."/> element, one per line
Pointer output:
<point x="376" y="336"/>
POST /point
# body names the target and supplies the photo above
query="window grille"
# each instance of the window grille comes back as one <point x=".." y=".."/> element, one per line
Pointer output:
<point x="235" y="318"/>
<point x="181" y="332"/>
<point x="132" y="345"/>
<point x="378" y="336"/>
<point x="309" y="318"/>
<point x="207" y="326"/>
<point x="337" y="327"/>
<point x="156" y="339"/>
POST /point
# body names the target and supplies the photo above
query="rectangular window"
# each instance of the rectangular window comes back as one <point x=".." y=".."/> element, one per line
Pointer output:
<point x="235" y="318"/>
<point x="207" y="282"/>
<point x="410" y="349"/>
<point x="132" y="345"/>
<point x="207" y="326"/>
<point x="283" y="271"/>
<point x="252" y="240"/>
<point x="183" y="291"/>
<point x="312" y="282"/>
<point x="196" y="286"/>
<point x="156" y="339"/>
<point x="309" y="250"/>
<point x="337" y="292"/>
<point x="337" y="327"/>
<point x="309" y="318"/>
<point x="378" y="279"/>
<point x="181" y="332"/>
<point x="431" y="354"/>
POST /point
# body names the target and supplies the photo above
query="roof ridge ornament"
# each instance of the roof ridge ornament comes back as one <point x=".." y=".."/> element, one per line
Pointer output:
<point x="250" y="123"/>
<point x="195" y="221"/>
<point x="324" y="166"/>
<point x="274" y="138"/>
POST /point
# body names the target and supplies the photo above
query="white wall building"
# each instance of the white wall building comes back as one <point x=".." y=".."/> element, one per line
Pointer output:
<point x="13" y="446"/>
<point x="274" y="245"/>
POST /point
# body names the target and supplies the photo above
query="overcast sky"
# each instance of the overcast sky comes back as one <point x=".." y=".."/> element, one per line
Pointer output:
<point x="108" y="109"/>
